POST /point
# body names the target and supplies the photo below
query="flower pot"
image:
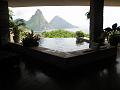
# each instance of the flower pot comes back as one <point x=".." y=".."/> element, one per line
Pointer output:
<point x="30" y="43"/>
<point x="113" y="40"/>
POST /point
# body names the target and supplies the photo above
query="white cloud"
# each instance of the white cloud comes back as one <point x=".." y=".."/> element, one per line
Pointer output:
<point x="73" y="14"/>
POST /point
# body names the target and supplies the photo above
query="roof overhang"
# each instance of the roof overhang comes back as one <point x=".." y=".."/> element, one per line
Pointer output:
<point x="25" y="3"/>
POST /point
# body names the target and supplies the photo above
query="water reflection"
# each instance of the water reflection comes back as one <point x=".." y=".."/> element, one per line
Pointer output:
<point x="63" y="44"/>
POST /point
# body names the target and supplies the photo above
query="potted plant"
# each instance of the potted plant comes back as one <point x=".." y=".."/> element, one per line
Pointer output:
<point x="79" y="36"/>
<point x="31" y="39"/>
<point x="14" y="27"/>
<point x="113" y="34"/>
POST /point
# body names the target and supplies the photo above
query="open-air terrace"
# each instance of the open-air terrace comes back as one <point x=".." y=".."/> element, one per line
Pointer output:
<point x="46" y="68"/>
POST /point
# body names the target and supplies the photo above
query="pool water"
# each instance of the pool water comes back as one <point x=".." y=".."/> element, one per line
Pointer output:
<point x="63" y="44"/>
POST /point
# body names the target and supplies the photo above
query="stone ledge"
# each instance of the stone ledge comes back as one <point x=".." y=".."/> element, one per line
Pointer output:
<point x="63" y="60"/>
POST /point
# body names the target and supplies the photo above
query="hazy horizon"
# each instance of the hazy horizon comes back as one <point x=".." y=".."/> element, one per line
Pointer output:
<point x="72" y="14"/>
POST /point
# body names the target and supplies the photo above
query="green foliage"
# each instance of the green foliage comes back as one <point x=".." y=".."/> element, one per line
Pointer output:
<point x="58" y="34"/>
<point x="17" y="30"/>
<point x="31" y="39"/>
<point x="113" y="34"/>
<point x="31" y="35"/>
<point x="20" y="22"/>
<point x="17" y="27"/>
<point x="11" y="22"/>
<point x="115" y="29"/>
<point x="64" y="34"/>
<point x="80" y="34"/>
<point x="87" y="35"/>
<point x="88" y="14"/>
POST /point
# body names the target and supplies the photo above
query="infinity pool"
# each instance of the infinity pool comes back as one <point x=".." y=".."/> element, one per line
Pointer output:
<point x="63" y="44"/>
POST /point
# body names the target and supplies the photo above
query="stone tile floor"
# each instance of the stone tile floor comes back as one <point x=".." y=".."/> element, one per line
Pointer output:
<point x="22" y="77"/>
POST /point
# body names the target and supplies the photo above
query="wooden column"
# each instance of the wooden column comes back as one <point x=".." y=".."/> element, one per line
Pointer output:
<point x="96" y="19"/>
<point x="3" y="23"/>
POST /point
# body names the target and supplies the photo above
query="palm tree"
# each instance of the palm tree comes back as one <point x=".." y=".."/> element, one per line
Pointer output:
<point x="11" y="22"/>
<point x="14" y="26"/>
<point x="17" y="30"/>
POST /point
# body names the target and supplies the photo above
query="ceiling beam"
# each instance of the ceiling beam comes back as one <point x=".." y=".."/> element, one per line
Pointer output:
<point x="17" y="3"/>
<point x="24" y="3"/>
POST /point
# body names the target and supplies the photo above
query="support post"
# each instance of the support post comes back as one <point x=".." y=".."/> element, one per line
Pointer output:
<point x="4" y="18"/>
<point x="96" y="19"/>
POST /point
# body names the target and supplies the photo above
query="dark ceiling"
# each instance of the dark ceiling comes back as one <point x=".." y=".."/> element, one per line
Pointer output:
<point x="22" y="3"/>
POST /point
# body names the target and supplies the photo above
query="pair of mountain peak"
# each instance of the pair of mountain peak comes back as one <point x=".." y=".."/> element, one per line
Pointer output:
<point x="38" y="23"/>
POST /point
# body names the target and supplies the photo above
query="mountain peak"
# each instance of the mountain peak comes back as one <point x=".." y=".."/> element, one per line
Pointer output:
<point x="38" y="22"/>
<point x="38" y="11"/>
<point x="59" y="23"/>
<point x="58" y="17"/>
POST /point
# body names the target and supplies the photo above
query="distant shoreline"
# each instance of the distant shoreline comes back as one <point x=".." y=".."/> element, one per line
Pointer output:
<point x="71" y="30"/>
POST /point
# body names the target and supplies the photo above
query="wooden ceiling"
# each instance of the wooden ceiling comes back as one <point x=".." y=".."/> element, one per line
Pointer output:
<point x="24" y="3"/>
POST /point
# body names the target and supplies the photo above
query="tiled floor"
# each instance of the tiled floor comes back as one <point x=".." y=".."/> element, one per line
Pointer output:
<point x="22" y="77"/>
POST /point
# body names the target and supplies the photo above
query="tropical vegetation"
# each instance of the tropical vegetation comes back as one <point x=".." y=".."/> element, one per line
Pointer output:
<point x="31" y="39"/>
<point x="58" y="34"/>
<point x="113" y="34"/>
<point x="17" y="27"/>
<point x="63" y="34"/>
<point x="80" y="34"/>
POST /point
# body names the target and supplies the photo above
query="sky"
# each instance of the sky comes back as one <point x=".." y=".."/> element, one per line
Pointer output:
<point x="73" y="14"/>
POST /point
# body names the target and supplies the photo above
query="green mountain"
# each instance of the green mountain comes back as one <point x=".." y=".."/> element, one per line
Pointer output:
<point x="37" y="22"/>
<point x="59" y="23"/>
